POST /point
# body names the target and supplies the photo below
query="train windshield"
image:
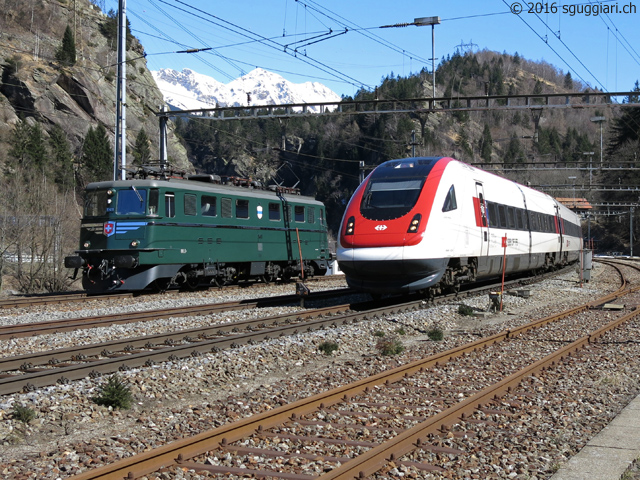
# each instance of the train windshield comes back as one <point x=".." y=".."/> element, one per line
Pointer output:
<point x="131" y="201"/>
<point x="393" y="189"/>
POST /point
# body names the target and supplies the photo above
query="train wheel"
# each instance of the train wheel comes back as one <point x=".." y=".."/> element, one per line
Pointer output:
<point x="192" y="282"/>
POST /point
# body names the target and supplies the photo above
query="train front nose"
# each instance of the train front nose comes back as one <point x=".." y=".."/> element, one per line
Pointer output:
<point x="389" y="269"/>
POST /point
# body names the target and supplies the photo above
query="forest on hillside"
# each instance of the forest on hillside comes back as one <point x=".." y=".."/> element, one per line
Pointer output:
<point x="326" y="151"/>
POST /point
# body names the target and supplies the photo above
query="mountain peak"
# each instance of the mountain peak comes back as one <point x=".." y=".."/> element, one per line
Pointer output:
<point x="189" y="90"/>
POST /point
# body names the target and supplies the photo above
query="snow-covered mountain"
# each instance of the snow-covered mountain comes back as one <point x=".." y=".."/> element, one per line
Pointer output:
<point x="189" y="90"/>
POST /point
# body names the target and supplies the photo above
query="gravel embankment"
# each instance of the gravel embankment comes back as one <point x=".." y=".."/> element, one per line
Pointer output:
<point x="176" y="399"/>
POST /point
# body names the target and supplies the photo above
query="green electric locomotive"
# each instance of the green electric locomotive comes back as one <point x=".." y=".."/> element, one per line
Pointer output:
<point x="167" y="232"/>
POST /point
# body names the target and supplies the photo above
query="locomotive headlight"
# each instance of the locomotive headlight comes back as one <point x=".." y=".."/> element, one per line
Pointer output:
<point x="351" y="225"/>
<point x="110" y="192"/>
<point x="86" y="244"/>
<point x="415" y="223"/>
<point x="135" y="243"/>
<point x="109" y="201"/>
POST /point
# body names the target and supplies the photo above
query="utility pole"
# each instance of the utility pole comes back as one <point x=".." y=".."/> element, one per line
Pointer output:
<point x="433" y="21"/>
<point x="120" y="147"/>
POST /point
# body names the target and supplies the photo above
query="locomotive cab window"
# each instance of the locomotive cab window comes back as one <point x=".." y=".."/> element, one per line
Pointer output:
<point x="169" y="205"/>
<point x="274" y="211"/>
<point x="450" y="202"/>
<point x="131" y="201"/>
<point x="242" y="208"/>
<point x="95" y="204"/>
<point x="208" y="206"/>
<point x="154" y="199"/>
<point x="299" y="213"/>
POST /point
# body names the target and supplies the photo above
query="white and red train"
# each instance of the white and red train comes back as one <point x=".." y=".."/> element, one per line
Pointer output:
<point x="429" y="224"/>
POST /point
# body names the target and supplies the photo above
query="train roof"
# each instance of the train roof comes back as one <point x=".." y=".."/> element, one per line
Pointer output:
<point x="204" y="186"/>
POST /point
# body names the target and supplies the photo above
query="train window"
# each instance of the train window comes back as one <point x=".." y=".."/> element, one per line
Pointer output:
<point x="519" y="219"/>
<point x="154" y="200"/>
<point x="274" y="211"/>
<point x="169" y="205"/>
<point x="299" y="213"/>
<point x="311" y="215"/>
<point x="450" y="202"/>
<point x="321" y="216"/>
<point x="502" y="214"/>
<point x="225" y="205"/>
<point x="493" y="214"/>
<point x="242" y="208"/>
<point x="190" y="201"/>
<point x="95" y="204"/>
<point x="208" y="206"/>
<point x="131" y="201"/>
<point x="511" y="217"/>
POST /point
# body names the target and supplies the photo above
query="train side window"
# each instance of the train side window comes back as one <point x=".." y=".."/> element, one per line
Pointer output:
<point x="208" y="206"/>
<point x="169" y="205"/>
<point x="274" y="211"/>
<point x="242" y="208"/>
<point x="519" y="219"/>
<point x="450" y="202"/>
<point x="321" y="216"/>
<point x="95" y="204"/>
<point x="154" y="200"/>
<point x="190" y="201"/>
<point x="493" y="214"/>
<point x="225" y="206"/>
<point x="299" y="213"/>
<point x="511" y="218"/>
<point x="503" y="216"/>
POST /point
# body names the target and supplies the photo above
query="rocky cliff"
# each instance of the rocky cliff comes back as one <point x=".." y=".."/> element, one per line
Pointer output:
<point x="37" y="87"/>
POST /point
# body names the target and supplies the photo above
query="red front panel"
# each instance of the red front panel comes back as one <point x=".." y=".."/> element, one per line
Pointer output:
<point x="391" y="233"/>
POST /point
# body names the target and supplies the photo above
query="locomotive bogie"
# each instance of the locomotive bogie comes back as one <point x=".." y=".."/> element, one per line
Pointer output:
<point x="140" y="234"/>
<point x="420" y="222"/>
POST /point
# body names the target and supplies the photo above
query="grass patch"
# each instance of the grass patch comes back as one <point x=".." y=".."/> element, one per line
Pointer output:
<point x="436" y="334"/>
<point x="389" y="346"/>
<point x="328" y="347"/>
<point x="23" y="414"/>
<point x="465" y="310"/>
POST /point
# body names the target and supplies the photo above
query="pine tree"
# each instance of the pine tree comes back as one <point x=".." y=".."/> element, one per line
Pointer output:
<point x="62" y="158"/>
<point x="568" y="81"/>
<point x="141" y="150"/>
<point x="97" y="154"/>
<point x="486" y="144"/>
<point x="28" y="146"/>
<point x="66" y="54"/>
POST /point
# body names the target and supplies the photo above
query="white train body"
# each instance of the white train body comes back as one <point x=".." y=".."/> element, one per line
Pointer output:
<point x="420" y="222"/>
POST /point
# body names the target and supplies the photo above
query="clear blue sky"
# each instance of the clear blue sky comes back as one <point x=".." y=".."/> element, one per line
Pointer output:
<point x="601" y="50"/>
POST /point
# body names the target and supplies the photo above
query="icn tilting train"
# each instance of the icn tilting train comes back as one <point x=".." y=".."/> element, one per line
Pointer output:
<point x="431" y="224"/>
<point x="158" y="233"/>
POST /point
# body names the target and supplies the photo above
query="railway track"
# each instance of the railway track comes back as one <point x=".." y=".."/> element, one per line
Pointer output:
<point x="62" y="325"/>
<point x="34" y="370"/>
<point x="369" y="426"/>
<point x="24" y="301"/>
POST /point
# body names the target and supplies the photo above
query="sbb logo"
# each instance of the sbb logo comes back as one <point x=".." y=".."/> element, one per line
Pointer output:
<point x="380" y="228"/>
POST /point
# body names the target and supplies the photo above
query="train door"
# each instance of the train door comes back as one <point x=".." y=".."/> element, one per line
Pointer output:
<point x="558" y="221"/>
<point x="481" y="219"/>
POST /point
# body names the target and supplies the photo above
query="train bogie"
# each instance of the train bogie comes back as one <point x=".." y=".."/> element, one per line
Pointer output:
<point x="422" y="223"/>
<point x="140" y="234"/>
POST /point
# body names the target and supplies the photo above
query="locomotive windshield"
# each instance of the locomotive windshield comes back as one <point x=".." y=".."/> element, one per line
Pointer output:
<point x="394" y="188"/>
<point x="131" y="201"/>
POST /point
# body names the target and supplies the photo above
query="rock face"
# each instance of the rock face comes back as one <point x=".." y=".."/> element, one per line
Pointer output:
<point x="36" y="87"/>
